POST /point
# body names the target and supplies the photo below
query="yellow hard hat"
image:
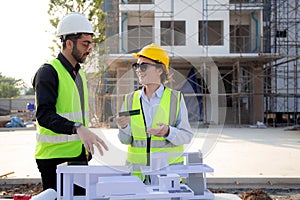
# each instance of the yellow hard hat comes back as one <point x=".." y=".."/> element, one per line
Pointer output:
<point x="156" y="53"/>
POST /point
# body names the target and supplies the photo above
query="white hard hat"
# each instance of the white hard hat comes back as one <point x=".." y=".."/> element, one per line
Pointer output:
<point x="74" y="23"/>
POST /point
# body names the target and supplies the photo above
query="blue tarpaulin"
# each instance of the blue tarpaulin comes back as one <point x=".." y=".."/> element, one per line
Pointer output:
<point x="191" y="90"/>
<point x="15" y="122"/>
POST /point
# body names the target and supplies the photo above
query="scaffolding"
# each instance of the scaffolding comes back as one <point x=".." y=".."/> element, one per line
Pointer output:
<point x="243" y="77"/>
<point x="247" y="80"/>
<point x="281" y="76"/>
<point x="282" y="87"/>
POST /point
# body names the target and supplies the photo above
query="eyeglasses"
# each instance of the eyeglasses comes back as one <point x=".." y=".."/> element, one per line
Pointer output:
<point x="88" y="45"/>
<point x="143" y="66"/>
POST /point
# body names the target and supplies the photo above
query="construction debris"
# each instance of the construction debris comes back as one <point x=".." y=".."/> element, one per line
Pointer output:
<point x="255" y="195"/>
<point x="6" y="174"/>
<point x="258" y="125"/>
<point x="293" y="128"/>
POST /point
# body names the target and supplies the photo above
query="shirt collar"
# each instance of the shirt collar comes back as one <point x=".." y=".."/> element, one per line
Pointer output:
<point x="67" y="64"/>
<point x="158" y="93"/>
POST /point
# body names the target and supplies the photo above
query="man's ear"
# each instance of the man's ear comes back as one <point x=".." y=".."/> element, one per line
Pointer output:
<point x="69" y="44"/>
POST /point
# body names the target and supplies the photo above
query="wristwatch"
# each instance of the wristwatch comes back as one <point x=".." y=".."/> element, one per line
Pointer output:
<point x="76" y="126"/>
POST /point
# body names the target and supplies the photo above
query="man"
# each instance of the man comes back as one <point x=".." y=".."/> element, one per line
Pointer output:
<point x="162" y="125"/>
<point x="62" y="103"/>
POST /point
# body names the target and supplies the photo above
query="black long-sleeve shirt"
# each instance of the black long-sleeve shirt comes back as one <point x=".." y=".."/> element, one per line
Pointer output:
<point x="46" y="87"/>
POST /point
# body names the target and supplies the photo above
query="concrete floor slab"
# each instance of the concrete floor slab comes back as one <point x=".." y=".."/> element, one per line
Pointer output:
<point x="232" y="152"/>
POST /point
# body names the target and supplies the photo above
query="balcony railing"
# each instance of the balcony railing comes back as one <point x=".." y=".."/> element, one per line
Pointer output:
<point x="244" y="1"/>
<point x="242" y="44"/>
<point x="139" y="1"/>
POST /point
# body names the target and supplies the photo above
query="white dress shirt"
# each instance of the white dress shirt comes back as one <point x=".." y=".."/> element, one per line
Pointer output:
<point x="179" y="134"/>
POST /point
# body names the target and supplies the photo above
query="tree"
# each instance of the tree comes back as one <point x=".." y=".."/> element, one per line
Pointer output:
<point x="30" y="91"/>
<point x="9" y="87"/>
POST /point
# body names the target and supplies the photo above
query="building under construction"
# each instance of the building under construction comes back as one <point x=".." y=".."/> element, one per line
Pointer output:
<point x="236" y="61"/>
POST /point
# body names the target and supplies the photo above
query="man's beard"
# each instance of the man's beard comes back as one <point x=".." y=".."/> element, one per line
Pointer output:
<point x="78" y="56"/>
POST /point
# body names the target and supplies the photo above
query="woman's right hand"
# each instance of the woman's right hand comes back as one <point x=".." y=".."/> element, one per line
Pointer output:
<point x="123" y="121"/>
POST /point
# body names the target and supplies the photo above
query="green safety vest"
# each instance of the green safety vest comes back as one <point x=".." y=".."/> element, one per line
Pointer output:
<point x="54" y="145"/>
<point x="167" y="113"/>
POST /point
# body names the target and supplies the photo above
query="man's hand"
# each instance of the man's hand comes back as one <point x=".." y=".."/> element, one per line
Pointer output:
<point x="89" y="139"/>
<point x="123" y="121"/>
<point x="162" y="131"/>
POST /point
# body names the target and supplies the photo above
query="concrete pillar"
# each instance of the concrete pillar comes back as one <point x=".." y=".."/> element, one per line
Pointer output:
<point x="213" y="99"/>
<point x="258" y="98"/>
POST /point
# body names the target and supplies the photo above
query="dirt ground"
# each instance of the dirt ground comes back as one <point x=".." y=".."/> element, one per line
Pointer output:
<point x="263" y="194"/>
<point x="8" y="191"/>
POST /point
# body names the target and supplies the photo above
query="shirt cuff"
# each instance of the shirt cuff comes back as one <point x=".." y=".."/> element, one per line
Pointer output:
<point x="126" y="130"/>
<point x="170" y="135"/>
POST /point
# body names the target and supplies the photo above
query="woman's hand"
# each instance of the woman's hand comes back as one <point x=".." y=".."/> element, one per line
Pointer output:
<point x="123" y="121"/>
<point x="162" y="131"/>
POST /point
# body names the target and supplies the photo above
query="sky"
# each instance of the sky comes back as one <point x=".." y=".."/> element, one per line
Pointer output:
<point x="24" y="37"/>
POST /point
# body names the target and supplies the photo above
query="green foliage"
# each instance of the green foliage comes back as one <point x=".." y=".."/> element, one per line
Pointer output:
<point x="8" y="87"/>
<point x="30" y="91"/>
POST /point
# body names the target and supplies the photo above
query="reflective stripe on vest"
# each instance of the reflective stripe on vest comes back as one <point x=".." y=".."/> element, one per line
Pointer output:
<point x="75" y="116"/>
<point x="56" y="138"/>
<point x="154" y="143"/>
<point x="57" y="145"/>
<point x="167" y="113"/>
